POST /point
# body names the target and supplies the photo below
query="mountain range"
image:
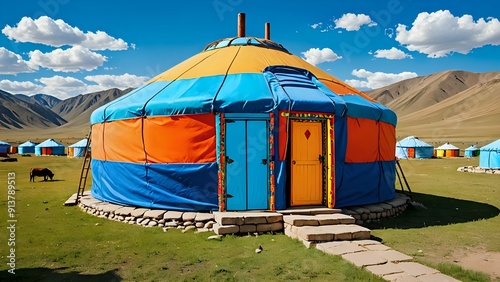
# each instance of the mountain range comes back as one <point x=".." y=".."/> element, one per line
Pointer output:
<point x="450" y="106"/>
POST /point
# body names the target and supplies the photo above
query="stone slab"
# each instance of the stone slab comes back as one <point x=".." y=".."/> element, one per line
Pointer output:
<point x="384" y="269"/>
<point x="125" y="211"/>
<point x="229" y="218"/>
<point x="248" y="228"/>
<point x="109" y="207"/>
<point x="309" y="211"/>
<point x="188" y="216"/>
<point x="176" y="215"/>
<point x="337" y="218"/>
<point x="416" y="269"/>
<point x="385" y="206"/>
<point x="301" y="220"/>
<point x="225" y="229"/>
<point x="400" y="277"/>
<point x="367" y="242"/>
<point x="274" y="218"/>
<point x="374" y="208"/>
<point x="437" y="277"/>
<point x="203" y="217"/>
<point x="378" y="247"/>
<point x="154" y="214"/>
<point x="339" y="248"/>
<point x="363" y="259"/>
<point x="138" y="212"/>
<point x="255" y="219"/>
<point x="392" y="255"/>
<point x="89" y="201"/>
<point x="276" y="226"/>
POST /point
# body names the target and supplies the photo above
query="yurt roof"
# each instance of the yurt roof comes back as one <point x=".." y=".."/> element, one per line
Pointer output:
<point x="412" y="142"/>
<point x="81" y="143"/>
<point x="243" y="75"/>
<point x="493" y="146"/>
<point x="49" y="143"/>
<point x="447" y="146"/>
<point x="28" y="144"/>
<point x="2" y="143"/>
<point x="472" y="148"/>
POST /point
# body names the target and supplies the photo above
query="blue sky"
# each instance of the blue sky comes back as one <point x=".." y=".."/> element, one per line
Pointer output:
<point x="69" y="47"/>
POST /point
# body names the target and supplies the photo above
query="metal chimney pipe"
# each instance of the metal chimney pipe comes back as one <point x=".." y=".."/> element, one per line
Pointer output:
<point x="241" y="25"/>
<point x="267" y="31"/>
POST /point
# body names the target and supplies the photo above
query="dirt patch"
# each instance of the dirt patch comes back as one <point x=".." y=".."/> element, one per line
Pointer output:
<point x="486" y="262"/>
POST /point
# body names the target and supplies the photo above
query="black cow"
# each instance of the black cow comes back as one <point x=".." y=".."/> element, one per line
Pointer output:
<point x="40" y="172"/>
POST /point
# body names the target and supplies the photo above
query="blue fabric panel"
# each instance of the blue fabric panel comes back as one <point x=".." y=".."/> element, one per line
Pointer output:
<point x="359" y="107"/>
<point x="128" y="106"/>
<point x="493" y="146"/>
<point x="244" y="93"/>
<point x="401" y="152"/>
<point x="38" y="151"/>
<point x="280" y="201"/>
<point x="295" y="85"/>
<point x="376" y="184"/>
<point x="4" y="148"/>
<point x="25" y="150"/>
<point x="78" y="151"/>
<point x="58" y="151"/>
<point x="340" y="105"/>
<point x="185" y="96"/>
<point x="489" y="159"/>
<point x="183" y="187"/>
<point x="412" y="142"/>
<point x="424" y="152"/>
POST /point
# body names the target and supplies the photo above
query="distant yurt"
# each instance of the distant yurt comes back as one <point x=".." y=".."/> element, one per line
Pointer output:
<point x="77" y="149"/>
<point x="489" y="157"/>
<point x="13" y="150"/>
<point x="447" y="150"/>
<point x="4" y="148"/>
<point x="413" y="148"/>
<point x="27" y="147"/>
<point x="49" y="147"/>
<point x="471" y="151"/>
<point x="243" y="125"/>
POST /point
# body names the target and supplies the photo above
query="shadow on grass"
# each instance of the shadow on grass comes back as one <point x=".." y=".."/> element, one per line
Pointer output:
<point x="57" y="274"/>
<point x="438" y="211"/>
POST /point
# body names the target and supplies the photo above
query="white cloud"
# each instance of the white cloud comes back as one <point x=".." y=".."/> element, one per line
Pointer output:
<point x="316" y="56"/>
<point x="69" y="60"/>
<point x="58" y="33"/>
<point x="117" y="81"/>
<point x="12" y="63"/>
<point x="352" y="22"/>
<point x="440" y="33"/>
<point x="63" y="87"/>
<point x="392" y="54"/>
<point x="20" y="87"/>
<point x="316" y="25"/>
<point x="375" y="80"/>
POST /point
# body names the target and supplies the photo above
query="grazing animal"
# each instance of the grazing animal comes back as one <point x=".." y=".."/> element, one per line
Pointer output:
<point x="45" y="172"/>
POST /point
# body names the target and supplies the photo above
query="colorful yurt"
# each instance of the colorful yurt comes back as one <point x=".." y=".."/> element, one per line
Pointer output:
<point x="489" y="156"/>
<point x="27" y="147"/>
<point x="13" y="150"/>
<point x="413" y="148"/>
<point x="472" y="151"/>
<point x="447" y="150"/>
<point x="49" y="147"/>
<point x="4" y="148"/>
<point x="77" y="149"/>
<point x="243" y="125"/>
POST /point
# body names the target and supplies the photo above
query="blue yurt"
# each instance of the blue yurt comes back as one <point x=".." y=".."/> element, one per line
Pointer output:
<point x="49" y="147"/>
<point x="4" y="148"/>
<point x="243" y="125"/>
<point x="489" y="156"/>
<point x="472" y="151"/>
<point x="77" y="149"/>
<point x="27" y="147"/>
<point x="413" y="148"/>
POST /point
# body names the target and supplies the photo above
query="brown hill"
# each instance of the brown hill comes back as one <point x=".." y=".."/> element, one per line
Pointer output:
<point x="455" y="106"/>
<point x="21" y="113"/>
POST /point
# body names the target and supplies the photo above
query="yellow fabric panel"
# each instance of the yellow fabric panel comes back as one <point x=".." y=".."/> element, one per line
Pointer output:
<point x="248" y="59"/>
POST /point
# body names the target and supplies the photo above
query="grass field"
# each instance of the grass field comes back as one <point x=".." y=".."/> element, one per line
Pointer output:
<point x="58" y="243"/>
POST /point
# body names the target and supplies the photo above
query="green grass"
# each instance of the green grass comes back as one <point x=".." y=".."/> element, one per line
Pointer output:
<point x="461" y="215"/>
<point x="58" y="243"/>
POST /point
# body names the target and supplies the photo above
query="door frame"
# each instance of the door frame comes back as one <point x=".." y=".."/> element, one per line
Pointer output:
<point x="221" y="120"/>
<point x="328" y="151"/>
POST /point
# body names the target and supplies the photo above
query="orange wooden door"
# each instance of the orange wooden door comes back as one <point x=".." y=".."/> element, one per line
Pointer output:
<point x="306" y="167"/>
<point x="411" y="153"/>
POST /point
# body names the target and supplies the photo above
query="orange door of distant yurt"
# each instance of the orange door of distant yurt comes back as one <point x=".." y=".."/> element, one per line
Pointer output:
<point x="306" y="157"/>
<point x="411" y="153"/>
<point x="49" y="151"/>
<point x="44" y="151"/>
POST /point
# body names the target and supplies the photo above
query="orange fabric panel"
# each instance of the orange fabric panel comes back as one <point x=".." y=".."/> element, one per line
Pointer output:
<point x="362" y="140"/>
<point x="387" y="141"/>
<point x="180" y="139"/>
<point x="123" y="141"/>
<point x="98" y="141"/>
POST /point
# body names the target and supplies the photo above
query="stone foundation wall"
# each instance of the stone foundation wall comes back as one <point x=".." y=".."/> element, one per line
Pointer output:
<point x="371" y="213"/>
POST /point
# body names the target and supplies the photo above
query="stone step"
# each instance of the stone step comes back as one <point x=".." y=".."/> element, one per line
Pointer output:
<point x="309" y="211"/>
<point x="319" y="219"/>
<point x="325" y="233"/>
<point x="245" y="218"/>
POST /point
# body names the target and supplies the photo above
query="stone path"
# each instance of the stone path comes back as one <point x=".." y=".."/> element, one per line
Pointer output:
<point x="332" y="231"/>
<point x="476" y="169"/>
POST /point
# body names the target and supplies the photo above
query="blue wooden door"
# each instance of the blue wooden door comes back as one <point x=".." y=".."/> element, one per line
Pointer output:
<point x="246" y="164"/>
